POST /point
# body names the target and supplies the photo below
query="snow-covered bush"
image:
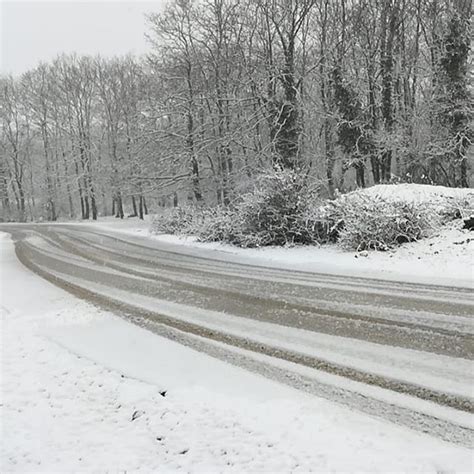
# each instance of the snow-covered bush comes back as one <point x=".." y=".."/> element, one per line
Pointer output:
<point x="281" y="210"/>
<point x="455" y="207"/>
<point x="270" y="214"/>
<point x="449" y="203"/>
<point x="176" y="220"/>
<point x="218" y="224"/>
<point x="276" y="212"/>
<point x="385" y="216"/>
<point x="320" y="221"/>
<point x="372" y="222"/>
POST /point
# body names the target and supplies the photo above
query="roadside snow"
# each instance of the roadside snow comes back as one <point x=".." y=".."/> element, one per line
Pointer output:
<point x="80" y="391"/>
<point x="416" y="193"/>
<point x="445" y="259"/>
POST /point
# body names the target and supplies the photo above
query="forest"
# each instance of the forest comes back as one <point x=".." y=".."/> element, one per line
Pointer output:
<point x="342" y="94"/>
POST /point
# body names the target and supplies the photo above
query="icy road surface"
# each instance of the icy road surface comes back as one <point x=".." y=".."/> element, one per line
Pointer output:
<point x="85" y="391"/>
<point x="394" y="350"/>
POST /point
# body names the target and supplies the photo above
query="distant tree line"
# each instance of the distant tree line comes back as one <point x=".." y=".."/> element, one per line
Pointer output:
<point x="349" y="92"/>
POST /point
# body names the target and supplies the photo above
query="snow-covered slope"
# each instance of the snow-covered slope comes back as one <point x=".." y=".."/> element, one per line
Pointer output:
<point x="416" y="193"/>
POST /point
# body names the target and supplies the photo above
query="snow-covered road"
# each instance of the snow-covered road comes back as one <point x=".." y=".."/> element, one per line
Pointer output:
<point x="399" y="351"/>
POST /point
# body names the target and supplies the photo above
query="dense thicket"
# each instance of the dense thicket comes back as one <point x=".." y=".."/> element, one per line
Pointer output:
<point x="345" y="93"/>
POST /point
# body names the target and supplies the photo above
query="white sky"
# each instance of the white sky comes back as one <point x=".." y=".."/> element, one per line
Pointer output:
<point x="36" y="30"/>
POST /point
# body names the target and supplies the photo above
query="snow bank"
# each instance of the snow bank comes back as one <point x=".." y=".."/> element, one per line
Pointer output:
<point x="415" y="193"/>
<point x="85" y="391"/>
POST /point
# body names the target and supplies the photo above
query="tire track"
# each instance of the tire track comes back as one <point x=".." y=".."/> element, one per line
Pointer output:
<point x="110" y="304"/>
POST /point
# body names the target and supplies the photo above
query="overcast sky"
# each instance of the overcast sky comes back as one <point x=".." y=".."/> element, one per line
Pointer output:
<point x="37" y="30"/>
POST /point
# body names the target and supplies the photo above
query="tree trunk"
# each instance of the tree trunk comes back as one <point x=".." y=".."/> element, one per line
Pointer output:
<point x="374" y="159"/>
<point x="4" y="190"/>
<point x="389" y="26"/>
<point x="360" y="175"/>
<point x="134" y="207"/>
<point x="330" y="158"/>
<point x="140" y="207"/>
<point x="118" y="205"/>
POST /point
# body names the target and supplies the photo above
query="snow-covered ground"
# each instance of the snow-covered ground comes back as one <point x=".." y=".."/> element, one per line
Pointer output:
<point x="447" y="258"/>
<point x="416" y="193"/>
<point x="80" y="391"/>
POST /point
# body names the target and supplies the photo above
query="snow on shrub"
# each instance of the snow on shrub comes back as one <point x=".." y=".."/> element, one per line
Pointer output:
<point x="385" y="216"/>
<point x="176" y="220"/>
<point x="320" y="222"/>
<point x="448" y="203"/>
<point x="456" y="207"/>
<point x="372" y="222"/>
<point x="281" y="210"/>
<point x="217" y="224"/>
<point x="274" y="213"/>
<point x="270" y="215"/>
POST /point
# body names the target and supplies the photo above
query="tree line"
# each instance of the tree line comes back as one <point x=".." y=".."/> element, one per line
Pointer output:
<point x="348" y="92"/>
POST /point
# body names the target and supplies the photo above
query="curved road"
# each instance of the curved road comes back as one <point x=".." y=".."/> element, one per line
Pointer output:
<point x="395" y="350"/>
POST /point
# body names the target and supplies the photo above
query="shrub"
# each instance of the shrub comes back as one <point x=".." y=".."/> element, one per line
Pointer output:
<point x="274" y="213"/>
<point x="269" y="215"/>
<point x="280" y="210"/>
<point x="372" y="222"/>
<point x="217" y="224"/>
<point x="321" y="221"/>
<point x="450" y="208"/>
<point x="176" y="220"/>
